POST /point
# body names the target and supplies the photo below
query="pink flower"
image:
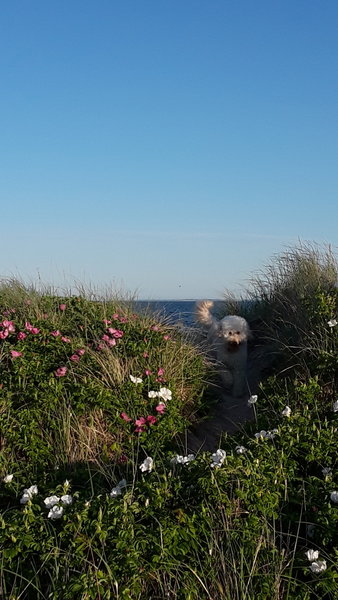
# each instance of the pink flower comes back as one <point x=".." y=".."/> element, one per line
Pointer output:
<point x="140" y="422"/>
<point x="106" y="321"/>
<point x="61" y="372"/>
<point x="115" y="316"/>
<point x="65" y="339"/>
<point x="155" y="328"/>
<point x="125" y="417"/>
<point x="75" y="358"/>
<point x="166" y="337"/>
<point x="160" y="372"/>
<point x="15" y="354"/>
<point x="139" y="429"/>
<point x="80" y="352"/>
<point x="56" y="333"/>
<point x="21" y="335"/>
<point x="151" y="419"/>
<point x="9" y="325"/>
<point x="62" y="306"/>
<point x="160" y="408"/>
<point x="116" y="333"/>
<point x="123" y="320"/>
<point x="3" y="334"/>
<point x="145" y="355"/>
<point x="99" y="347"/>
<point x="105" y="338"/>
<point x="111" y="342"/>
<point x="31" y="329"/>
<point x="147" y="372"/>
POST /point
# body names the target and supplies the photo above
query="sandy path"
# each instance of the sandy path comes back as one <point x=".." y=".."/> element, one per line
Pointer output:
<point x="228" y="415"/>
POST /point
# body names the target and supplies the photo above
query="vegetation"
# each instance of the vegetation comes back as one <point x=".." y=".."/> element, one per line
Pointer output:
<point x="243" y="524"/>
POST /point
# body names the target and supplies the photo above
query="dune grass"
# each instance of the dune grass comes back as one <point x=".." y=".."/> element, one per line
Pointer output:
<point x="233" y="526"/>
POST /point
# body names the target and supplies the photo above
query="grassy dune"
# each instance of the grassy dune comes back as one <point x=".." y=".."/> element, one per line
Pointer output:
<point x="95" y="502"/>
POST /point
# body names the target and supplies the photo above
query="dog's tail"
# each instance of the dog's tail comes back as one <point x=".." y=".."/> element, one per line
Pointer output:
<point x="203" y="313"/>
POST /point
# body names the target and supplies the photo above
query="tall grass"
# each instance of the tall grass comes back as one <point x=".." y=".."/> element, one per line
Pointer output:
<point x="288" y="304"/>
<point x="182" y="531"/>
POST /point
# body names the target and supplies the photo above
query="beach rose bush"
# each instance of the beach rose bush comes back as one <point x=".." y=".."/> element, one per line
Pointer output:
<point x="75" y="383"/>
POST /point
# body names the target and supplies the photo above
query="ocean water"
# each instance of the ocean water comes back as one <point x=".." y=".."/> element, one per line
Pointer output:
<point x="175" y="311"/>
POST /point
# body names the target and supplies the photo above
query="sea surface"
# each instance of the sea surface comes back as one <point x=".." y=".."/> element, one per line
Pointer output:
<point x="174" y="311"/>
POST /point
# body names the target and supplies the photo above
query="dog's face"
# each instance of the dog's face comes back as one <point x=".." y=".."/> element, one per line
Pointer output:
<point x="235" y="331"/>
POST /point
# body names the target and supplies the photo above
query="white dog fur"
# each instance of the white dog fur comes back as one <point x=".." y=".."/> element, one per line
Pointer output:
<point x="228" y="338"/>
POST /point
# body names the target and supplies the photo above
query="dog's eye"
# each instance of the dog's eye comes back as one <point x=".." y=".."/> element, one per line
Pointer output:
<point x="230" y="332"/>
<point x="237" y="332"/>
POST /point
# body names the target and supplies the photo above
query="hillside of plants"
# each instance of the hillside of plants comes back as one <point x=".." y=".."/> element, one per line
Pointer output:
<point x="97" y="499"/>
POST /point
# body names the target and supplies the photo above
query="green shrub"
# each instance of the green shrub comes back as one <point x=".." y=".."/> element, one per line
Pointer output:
<point x="231" y="526"/>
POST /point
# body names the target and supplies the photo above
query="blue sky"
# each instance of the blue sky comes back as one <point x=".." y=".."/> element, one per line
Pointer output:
<point x="165" y="147"/>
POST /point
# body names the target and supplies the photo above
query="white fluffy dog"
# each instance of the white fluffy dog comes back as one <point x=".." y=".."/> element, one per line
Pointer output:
<point x="228" y="338"/>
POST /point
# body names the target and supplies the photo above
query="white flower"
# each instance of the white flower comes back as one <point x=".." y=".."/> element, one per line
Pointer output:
<point x="327" y="471"/>
<point x="66" y="485"/>
<point x="51" y="501"/>
<point x="318" y="566"/>
<point x="335" y="406"/>
<point x="165" y="393"/>
<point x="25" y="498"/>
<point x="332" y="322"/>
<point x="182" y="460"/>
<point x="312" y="555"/>
<point x="334" y="496"/>
<point x="147" y="465"/>
<point x="66" y="499"/>
<point x="28" y="493"/>
<point x="55" y="512"/>
<point x="266" y="435"/>
<point x="240" y="450"/>
<point x="286" y="412"/>
<point x="8" y="478"/>
<point x="135" y="379"/>
<point x="252" y="400"/>
<point x="218" y="458"/>
<point x="117" y="491"/>
<point x="261" y="435"/>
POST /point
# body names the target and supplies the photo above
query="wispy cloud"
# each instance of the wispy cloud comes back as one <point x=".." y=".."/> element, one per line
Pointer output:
<point x="208" y="235"/>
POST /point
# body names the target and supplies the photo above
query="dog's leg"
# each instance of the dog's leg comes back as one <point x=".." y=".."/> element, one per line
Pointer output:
<point x="227" y="378"/>
<point x="240" y="373"/>
<point x="239" y="383"/>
